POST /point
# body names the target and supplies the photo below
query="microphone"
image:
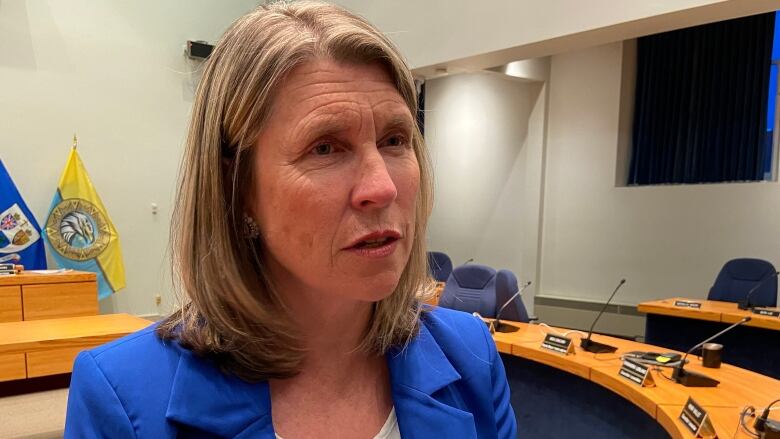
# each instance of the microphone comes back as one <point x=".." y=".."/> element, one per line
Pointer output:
<point x="695" y="379"/>
<point x="497" y="322"/>
<point x="745" y="304"/>
<point x="593" y="346"/>
<point x="470" y="260"/>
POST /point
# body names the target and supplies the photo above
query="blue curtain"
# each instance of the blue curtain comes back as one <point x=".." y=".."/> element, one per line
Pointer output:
<point x="701" y="103"/>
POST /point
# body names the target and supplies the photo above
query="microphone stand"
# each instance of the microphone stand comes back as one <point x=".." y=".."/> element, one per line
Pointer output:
<point x="695" y="379"/>
<point x="497" y="323"/>
<point x="593" y="346"/>
<point x="745" y="304"/>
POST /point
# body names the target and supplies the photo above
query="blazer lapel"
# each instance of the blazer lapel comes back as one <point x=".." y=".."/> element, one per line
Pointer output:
<point x="204" y="398"/>
<point x="416" y="373"/>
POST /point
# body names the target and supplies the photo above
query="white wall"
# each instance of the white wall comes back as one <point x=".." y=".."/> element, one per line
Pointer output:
<point x="485" y="136"/>
<point x="482" y="34"/>
<point x="113" y="72"/>
<point x="666" y="240"/>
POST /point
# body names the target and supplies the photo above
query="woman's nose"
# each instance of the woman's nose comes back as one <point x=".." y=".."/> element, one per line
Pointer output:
<point x="374" y="187"/>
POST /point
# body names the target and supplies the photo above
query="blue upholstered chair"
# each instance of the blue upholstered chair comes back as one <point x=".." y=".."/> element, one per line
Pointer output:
<point x="506" y="287"/>
<point x="439" y="265"/>
<point x="738" y="276"/>
<point x="471" y="288"/>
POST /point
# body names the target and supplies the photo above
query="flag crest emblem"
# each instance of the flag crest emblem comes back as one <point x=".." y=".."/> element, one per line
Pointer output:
<point x="77" y="229"/>
<point x="16" y="231"/>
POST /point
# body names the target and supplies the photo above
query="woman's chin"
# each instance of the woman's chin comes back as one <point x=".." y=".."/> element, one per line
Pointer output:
<point x="380" y="287"/>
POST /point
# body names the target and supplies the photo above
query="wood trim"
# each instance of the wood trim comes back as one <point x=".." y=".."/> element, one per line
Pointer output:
<point x="26" y="278"/>
<point x="738" y="387"/>
<point x="70" y="332"/>
<point x="53" y="361"/>
<point x="12" y="367"/>
<point x="10" y="303"/>
<point x="51" y="301"/>
<point x="710" y="310"/>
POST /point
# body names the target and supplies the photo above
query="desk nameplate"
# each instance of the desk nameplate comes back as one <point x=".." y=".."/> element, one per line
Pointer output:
<point x="558" y="343"/>
<point x="637" y="373"/>
<point x="695" y="419"/>
<point x="687" y="304"/>
<point x="766" y="312"/>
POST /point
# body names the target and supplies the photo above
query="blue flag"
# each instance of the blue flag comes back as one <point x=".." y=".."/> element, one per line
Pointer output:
<point x="20" y="235"/>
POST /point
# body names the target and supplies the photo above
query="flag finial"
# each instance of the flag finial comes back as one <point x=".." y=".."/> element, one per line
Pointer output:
<point x="75" y="141"/>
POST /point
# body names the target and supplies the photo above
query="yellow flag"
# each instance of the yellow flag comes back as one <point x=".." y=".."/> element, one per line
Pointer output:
<point x="79" y="231"/>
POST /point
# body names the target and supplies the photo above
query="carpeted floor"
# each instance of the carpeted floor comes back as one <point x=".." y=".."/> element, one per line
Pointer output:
<point x="39" y="415"/>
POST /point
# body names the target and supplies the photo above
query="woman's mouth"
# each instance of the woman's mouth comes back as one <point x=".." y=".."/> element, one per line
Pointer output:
<point x="376" y="245"/>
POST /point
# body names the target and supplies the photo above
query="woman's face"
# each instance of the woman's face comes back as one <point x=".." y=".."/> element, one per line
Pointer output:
<point x="336" y="182"/>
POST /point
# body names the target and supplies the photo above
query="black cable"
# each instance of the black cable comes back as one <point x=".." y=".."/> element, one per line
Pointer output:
<point x="742" y="415"/>
<point x="760" y="423"/>
<point x="661" y="372"/>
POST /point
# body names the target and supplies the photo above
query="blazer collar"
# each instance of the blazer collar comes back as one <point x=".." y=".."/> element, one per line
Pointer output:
<point x="208" y="400"/>
<point x="205" y="398"/>
<point x="417" y="373"/>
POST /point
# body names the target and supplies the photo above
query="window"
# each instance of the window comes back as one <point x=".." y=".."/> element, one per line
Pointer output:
<point x="702" y="103"/>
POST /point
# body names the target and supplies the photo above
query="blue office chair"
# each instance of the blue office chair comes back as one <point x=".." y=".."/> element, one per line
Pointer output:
<point x="738" y="276"/>
<point x="471" y="288"/>
<point x="439" y="265"/>
<point x="506" y="287"/>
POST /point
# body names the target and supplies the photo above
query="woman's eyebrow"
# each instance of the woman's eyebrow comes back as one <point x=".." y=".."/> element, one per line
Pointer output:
<point x="399" y="121"/>
<point x="323" y="127"/>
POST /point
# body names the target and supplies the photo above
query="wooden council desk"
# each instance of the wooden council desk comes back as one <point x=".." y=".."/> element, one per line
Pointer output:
<point x="711" y="310"/>
<point x="738" y="387"/>
<point x="755" y="345"/>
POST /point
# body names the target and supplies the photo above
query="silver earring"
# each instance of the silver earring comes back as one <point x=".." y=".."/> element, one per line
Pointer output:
<point x="251" y="231"/>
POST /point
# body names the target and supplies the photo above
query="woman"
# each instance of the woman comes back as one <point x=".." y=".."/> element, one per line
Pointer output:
<point x="298" y="241"/>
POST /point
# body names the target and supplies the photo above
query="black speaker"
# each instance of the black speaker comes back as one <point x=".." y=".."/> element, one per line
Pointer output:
<point x="199" y="49"/>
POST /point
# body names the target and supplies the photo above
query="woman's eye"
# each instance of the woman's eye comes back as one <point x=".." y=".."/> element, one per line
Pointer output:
<point x="322" y="149"/>
<point x="396" y="140"/>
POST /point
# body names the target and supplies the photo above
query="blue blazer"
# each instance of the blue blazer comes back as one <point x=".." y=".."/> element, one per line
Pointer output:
<point x="449" y="382"/>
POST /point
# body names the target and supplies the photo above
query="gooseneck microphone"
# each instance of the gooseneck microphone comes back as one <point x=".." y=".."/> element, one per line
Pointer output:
<point x="497" y="322"/>
<point x="695" y="379"/>
<point x="593" y="346"/>
<point x="745" y="304"/>
<point x="469" y="260"/>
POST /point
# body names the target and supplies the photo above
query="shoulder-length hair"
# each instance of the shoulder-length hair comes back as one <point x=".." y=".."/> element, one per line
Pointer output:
<point x="228" y="308"/>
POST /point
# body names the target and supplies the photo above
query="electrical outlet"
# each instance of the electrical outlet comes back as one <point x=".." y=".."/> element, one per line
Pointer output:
<point x="157" y="299"/>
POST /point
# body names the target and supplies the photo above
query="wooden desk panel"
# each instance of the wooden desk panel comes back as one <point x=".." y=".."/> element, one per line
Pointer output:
<point x="12" y="367"/>
<point x="758" y="321"/>
<point x="71" y="332"/>
<point x="710" y="310"/>
<point x="436" y="294"/>
<point x="725" y="421"/>
<point x="738" y="387"/>
<point x="53" y="361"/>
<point x="27" y="278"/>
<point x="10" y="303"/>
<point x="55" y="300"/>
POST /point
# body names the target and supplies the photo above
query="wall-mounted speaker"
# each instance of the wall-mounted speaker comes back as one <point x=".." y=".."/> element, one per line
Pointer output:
<point x="199" y="49"/>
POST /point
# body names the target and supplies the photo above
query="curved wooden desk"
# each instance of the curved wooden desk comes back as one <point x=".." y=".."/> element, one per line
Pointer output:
<point x="737" y="388"/>
<point x="711" y="310"/>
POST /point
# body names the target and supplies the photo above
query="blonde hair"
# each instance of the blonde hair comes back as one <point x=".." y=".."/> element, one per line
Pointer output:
<point x="229" y="310"/>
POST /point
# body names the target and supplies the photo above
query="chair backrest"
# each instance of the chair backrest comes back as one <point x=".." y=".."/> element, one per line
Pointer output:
<point x="738" y="276"/>
<point x="440" y="266"/>
<point x="471" y="288"/>
<point x="506" y="287"/>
